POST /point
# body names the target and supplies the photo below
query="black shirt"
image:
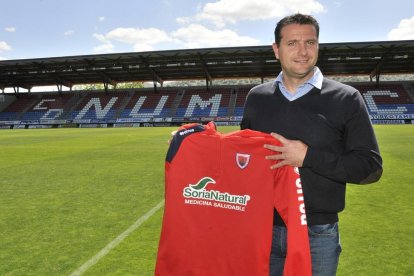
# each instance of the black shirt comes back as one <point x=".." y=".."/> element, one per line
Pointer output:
<point x="334" y="123"/>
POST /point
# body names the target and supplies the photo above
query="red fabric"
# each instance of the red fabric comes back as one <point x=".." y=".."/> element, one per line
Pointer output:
<point x="219" y="198"/>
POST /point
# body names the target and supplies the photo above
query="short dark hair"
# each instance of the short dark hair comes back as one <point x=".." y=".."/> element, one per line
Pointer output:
<point x="298" y="18"/>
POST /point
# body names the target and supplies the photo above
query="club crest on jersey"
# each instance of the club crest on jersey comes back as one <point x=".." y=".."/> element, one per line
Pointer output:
<point x="242" y="160"/>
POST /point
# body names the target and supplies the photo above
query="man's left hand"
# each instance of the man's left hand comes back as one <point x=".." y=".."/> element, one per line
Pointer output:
<point x="292" y="152"/>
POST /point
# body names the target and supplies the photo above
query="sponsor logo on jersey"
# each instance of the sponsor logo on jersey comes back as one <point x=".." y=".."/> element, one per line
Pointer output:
<point x="184" y="132"/>
<point x="242" y="160"/>
<point x="198" y="195"/>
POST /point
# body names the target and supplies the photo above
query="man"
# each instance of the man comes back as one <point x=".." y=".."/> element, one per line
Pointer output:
<point x="325" y="130"/>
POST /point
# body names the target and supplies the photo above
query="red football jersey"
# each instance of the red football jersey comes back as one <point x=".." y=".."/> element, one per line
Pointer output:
<point x="220" y="194"/>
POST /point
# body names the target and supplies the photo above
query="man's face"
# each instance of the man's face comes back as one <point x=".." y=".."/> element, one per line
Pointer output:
<point x="298" y="50"/>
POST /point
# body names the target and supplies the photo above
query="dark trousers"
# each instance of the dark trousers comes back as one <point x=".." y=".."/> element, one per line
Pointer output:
<point x="325" y="249"/>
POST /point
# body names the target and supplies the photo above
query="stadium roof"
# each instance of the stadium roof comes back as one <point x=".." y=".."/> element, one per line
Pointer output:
<point x="352" y="58"/>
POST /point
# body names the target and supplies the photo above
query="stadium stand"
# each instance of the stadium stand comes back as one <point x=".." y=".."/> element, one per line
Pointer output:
<point x="202" y="103"/>
<point x="18" y="107"/>
<point x="47" y="107"/>
<point x="97" y="106"/>
<point x="241" y="97"/>
<point x="150" y="104"/>
<point x="387" y="103"/>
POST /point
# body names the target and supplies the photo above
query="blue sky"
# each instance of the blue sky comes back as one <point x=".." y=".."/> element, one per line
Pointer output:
<point x="55" y="28"/>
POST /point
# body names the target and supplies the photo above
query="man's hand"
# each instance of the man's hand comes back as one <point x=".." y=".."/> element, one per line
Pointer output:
<point x="292" y="152"/>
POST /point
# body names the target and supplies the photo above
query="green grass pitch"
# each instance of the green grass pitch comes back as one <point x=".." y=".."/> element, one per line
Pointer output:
<point x="65" y="194"/>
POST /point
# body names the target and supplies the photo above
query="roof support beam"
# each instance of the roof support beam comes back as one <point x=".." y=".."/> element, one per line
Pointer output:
<point x="107" y="81"/>
<point x="155" y="76"/>
<point x="209" y="83"/>
<point x="205" y="68"/>
<point x="377" y="71"/>
<point x="25" y="87"/>
<point x="61" y="82"/>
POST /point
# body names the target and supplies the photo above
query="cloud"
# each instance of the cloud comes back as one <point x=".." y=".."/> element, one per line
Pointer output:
<point x="10" y="29"/>
<point x="101" y="38"/>
<point x="69" y="32"/>
<point x="223" y="12"/>
<point x="207" y="27"/>
<point x="105" y="47"/>
<point x="138" y="47"/>
<point x="196" y="36"/>
<point x="4" y="46"/>
<point x="101" y="18"/>
<point x="191" y="36"/>
<point x="404" y="31"/>
<point x="337" y="4"/>
<point x="140" y="39"/>
<point x="138" y="36"/>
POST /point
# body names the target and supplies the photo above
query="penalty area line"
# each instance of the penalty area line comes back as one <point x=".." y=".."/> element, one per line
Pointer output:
<point x="116" y="241"/>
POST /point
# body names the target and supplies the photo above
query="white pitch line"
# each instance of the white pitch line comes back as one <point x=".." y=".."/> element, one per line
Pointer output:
<point x="116" y="241"/>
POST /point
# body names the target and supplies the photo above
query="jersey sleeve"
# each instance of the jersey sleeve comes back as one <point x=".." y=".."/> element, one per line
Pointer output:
<point x="289" y="202"/>
<point x="182" y="133"/>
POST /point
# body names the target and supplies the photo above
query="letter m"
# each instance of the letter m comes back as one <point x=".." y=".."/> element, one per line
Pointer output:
<point x="196" y="100"/>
